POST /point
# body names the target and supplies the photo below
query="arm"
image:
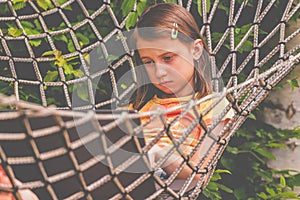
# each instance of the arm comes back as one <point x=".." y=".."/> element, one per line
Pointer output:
<point x="175" y="160"/>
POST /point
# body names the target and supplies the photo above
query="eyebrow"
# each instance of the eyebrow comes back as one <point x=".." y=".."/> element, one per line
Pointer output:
<point x="144" y="57"/>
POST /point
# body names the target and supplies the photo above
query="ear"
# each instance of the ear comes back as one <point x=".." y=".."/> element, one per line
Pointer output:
<point x="197" y="49"/>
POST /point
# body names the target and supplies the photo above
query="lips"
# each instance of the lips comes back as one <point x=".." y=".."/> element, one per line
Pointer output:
<point x="165" y="83"/>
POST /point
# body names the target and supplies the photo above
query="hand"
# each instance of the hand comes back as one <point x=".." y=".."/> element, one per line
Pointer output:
<point x="25" y="194"/>
<point x="5" y="180"/>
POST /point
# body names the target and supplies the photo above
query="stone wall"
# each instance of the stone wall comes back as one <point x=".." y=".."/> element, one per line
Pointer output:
<point x="283" y="112"/>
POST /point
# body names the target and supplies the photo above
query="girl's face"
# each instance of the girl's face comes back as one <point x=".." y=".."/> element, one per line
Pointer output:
<point x="169" y="65"/>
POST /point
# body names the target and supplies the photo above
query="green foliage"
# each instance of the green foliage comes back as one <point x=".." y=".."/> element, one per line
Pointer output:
<point x="200" y="6"/>
<point x="45" y="4"/>
<point x="239" y="32"/>
<point x="69" y="71"/>
<point x="127" y="6"/>
<point x="213" y="189"/>
<point x="19" y="4"/>
<point x="246" y="158"/>
<point x="14" y="32"/>
<point x="293" y="83"/>
<point x="61" y="2"/>
<point x="282" y="191"/>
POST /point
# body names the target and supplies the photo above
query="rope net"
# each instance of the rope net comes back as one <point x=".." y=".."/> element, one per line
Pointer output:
<point x="45" y="58"/>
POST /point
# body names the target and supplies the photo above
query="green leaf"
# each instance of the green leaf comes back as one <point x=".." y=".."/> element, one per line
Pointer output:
<point x="246" y="47"/>
<point x="233" y="150"/>
<point x="27" y="24"/>
<point x="71" y="46"/>
<point x="245" y="28"/>
<point x="61" y="2"/>
<point x="293" y="83"/>
<point x="112" y="57"/>
<point x="289" y="195"/>
<point x="37" y="24"/>
<point x="262" y="195"/>
<point x="30" y="31"/>
<point x="276" y="145"/>
<point x="127" y="6"/>
<point x="199" y="5"/>
<point x="123" y="86"/>
<point x="221" y="6"/>
<point x="57" y="54"/>
<point x="141" y="6"/>
<point x="211" y="194"/>
<point x="78" y="73"/>
<point x="45" y="4"/>
<point x="87" y="58"/>
<point x="225" y="188"/>
<point x="82" y="91"/>
<point x="294" y="180"/>
<point x="212" y="186"/>
<point x="237" y="30"/>
<point x="51" y="101"/>
<point x="262" y="32"/>
<point x="61" y="38"/>
<point x="282" y="181"/>
<point x="68" y="8"/>
<point x="270" y="191"/>
<point x="68" y="69"/>
<point x="19" y="6"/>
<point x="223" y="171"/>
<point x="35" y="43"/>
<point x="17" y="1"/>
<point x="215" y="36"/>
<point x="265" y="153"/>
<point x="102" y="92"/>
<point x="250" y="145"/>
<point x="60" y="62"/>
<point x="131" y="20"/>
<point x="15" y="32"/>
<point x="48" y="53"/>
<point x="258" y="158"/>
<point x="215" y="177"/>
<point x="252" y="116"/>
<point x="84" y="39"/>
<point x="51" y="76"/>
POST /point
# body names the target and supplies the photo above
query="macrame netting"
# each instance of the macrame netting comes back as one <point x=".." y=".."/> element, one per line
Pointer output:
<point x="24" y="131"/>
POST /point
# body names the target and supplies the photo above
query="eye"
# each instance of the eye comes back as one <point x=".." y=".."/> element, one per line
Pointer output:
<point x="168" y="58"/>
<point x="148" y="62"/>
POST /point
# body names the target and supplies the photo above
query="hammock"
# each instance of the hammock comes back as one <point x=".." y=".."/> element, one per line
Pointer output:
<point x="50" y="149"/>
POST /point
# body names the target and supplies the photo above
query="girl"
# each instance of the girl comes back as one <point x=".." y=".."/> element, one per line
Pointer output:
<point x="175" y="69"/>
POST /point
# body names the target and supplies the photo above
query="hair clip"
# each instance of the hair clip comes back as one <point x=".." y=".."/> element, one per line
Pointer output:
<point x="174" y="31"/>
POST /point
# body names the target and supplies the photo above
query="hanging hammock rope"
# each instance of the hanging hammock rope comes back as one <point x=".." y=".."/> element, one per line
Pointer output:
<point x="54" y="142"/>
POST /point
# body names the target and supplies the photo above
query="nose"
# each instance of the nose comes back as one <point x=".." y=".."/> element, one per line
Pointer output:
<point x="160" y="70"/>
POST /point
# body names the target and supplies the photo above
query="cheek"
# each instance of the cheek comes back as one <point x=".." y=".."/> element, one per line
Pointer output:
<point x="150" y="72"/>
<point x="184" y="69"/>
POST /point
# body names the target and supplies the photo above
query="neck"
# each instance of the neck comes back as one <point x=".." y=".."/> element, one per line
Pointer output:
<point x="165" y="96"/>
